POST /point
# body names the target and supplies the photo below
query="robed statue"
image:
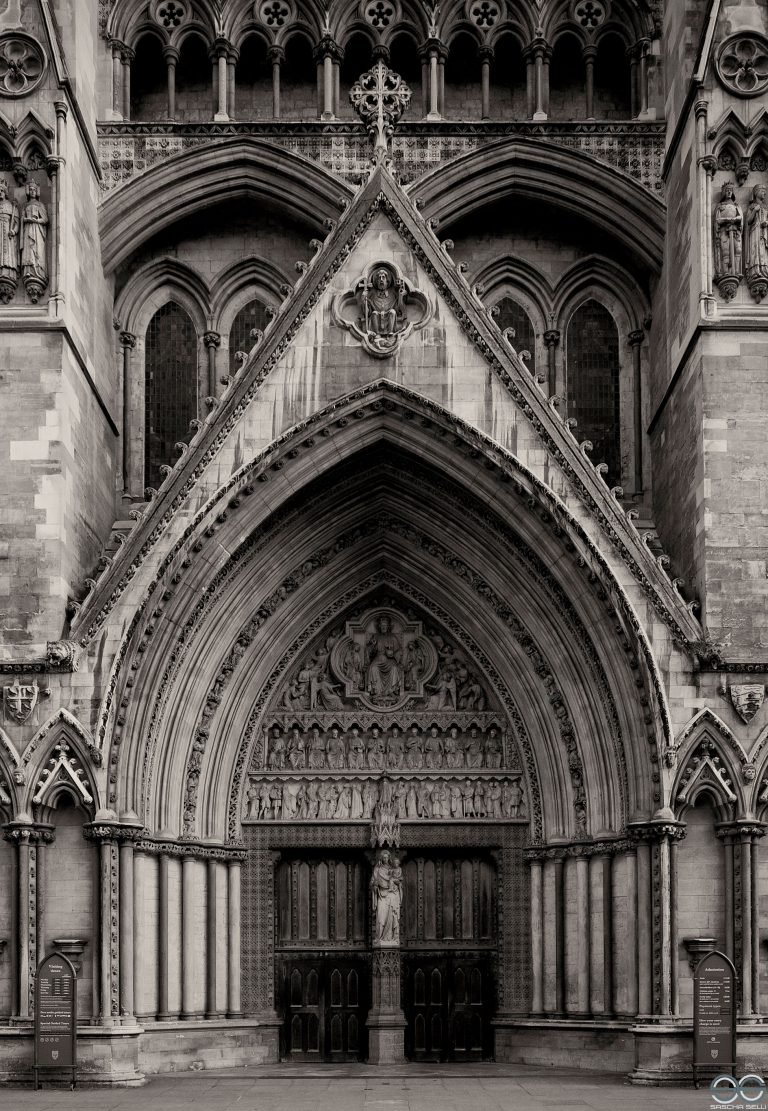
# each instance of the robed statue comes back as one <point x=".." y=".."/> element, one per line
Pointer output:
<point x="34" y="252"/>
<point x="386" y="899"/>
<point x="384" y="650"/>
<point x="382" y="300"/>
<point x="9" y="245"/>
<point x="729" y="226"/>
<point x="757" y="243"/>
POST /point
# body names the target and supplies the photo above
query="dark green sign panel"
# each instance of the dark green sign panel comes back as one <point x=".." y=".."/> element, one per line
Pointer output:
<point x="55" y="1015"/>
<point x="714" y="1015"/>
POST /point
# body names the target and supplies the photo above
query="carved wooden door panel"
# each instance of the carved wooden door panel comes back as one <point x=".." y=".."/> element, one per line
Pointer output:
<point x="449" y="940"/>
<point x="323" y="966"/>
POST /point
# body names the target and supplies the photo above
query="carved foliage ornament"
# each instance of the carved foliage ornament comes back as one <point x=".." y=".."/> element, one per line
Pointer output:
<point x="382" y="310"/>
<point x="380" y="97"/>
<point x="22" y="64"/>
<point x="742" y="63"/>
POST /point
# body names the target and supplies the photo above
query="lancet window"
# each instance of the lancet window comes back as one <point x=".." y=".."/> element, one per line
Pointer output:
<point x="592" y="383"/>
<point x="170" y="387"/>
<point x="513" y="315"/>
<point x="252" y="316"/>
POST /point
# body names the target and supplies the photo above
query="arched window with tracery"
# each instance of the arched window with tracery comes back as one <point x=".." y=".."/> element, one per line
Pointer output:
<point x="149" y="84"/>
<point x="253" y="315"/>
<point x="170" y="387"/>
<point x="512" y="315"/>
<point x="592" y="383"/>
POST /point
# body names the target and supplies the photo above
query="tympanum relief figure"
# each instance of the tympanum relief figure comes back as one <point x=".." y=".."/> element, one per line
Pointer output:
<point x="382" y="310"/>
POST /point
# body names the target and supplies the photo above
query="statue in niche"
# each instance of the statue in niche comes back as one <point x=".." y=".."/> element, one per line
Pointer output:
<point x="9" y="245"/>
<point x="34" y="253"/>
<point x="356" y="756"/>
<point x="475" y="749"/>
<point x="313" y="800"/>
<point x="386" y="898"/>
<point x="316" y="749"/>
<point x="440" y="801"/>
<point x="296" y="753"/>
<point x="757" y="243"/>
<point x="276" y="794"/>
<point x="478" y="802"/>
<point x="302" y="802"/>
<point x="433" y="748"/>
<point x="468" y="796"/>
<point x="343" y="802"/>
<point x="494" y="751"/>
<point x="289" y="803"/>
<point x="411" y="804"/>
<point x="493" y="799"/>
<point x="265" y="801"/>
<point x="327" y="800"/>
<point x="384" y="650"/>
<point x="729" y="225"/>
<point x="401" y="794"/>
<point x="454" y="752"/>
<point x="336" y="752"/>
<point x="457" y="801"/>
<point x="376" y="752"/>
<point x="370" y="797"/>
<point x="424" y="800"/>
<point x="395" y="749"/>
<point x="415" y="750"/>
<point x="512" y="799"/>
<point x="252" y="797"/>
<point x="356" y="809"/>
<point x="276" y="758"/>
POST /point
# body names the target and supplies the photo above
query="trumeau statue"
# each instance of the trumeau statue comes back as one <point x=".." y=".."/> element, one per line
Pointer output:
<point x="757" y="243"/>
<point x="386" y="899"/>
<point x="9" y="245"/>
<point x="729" y="225"/>
<point x="34" y="255"/>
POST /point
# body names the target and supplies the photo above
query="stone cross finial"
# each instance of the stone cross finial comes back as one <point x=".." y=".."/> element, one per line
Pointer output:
<point x="380" y="97"/>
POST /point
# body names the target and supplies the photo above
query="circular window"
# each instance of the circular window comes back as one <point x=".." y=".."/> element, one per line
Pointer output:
<point x="22" y="64"/>
<point x="742" y="63"/>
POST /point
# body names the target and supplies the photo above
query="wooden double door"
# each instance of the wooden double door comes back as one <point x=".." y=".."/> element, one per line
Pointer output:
<point x="323" y="956"/>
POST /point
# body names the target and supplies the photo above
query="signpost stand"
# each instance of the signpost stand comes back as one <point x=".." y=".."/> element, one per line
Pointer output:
<point x="714" y="1016"/>
<point x="55" y="1016"/>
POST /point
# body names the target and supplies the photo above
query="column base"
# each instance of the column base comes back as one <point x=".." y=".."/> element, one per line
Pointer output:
<point x="539" y="116"/>
<point x="386" y="1037"/>
<point x="221" y="117"/>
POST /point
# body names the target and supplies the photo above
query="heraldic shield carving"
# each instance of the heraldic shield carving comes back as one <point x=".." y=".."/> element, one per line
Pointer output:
<point x="382" y="310"/>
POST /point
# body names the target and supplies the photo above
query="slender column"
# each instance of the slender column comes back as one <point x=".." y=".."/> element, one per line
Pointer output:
<point x="728" y="915"/>
<point x="755" y="922"/>
<point x="424" y="85"/>
<point x="171" y="55"/>
<point x="234" y="869"/>
<point x="231" y="69"/>
<point x="433" y="86"/>
<point x="222" y="51"/>
<point x="559" y="936"/>
<point x="598" y="1004"/>
<point x="53" y="166"/>
<point x="747" y="1003"/>
<point x="485" y="54"/>
<point x="117" y="79"/>
<point x="635" y="341"/>
<point x="552" y="339"/>
<point x="441" y="59"/>
<point x="163" y="926"/>
<point x="550" y="924"/>
<point x="541" y="81"/>
<point x="127" y="55"/>
<point x="530" y="81"/>
<point x="212" y="341"/>
<point x="214" y="83"/>
<point x="188" y="937"/>
<point x="127" y="343"/>
<point x="336" y="86"/>
<point x="211" y="940"/>
<point x="644" y="46"/>
<point x="633" y="82"/>
<point x="276" y="55"/>
<point x="644" y="930"/>
<point x="674" y="959"/>
<point x="27" y="921"/>
<point x="626" y="947"/>
<point x="545" y="79"/>
<point x="582" y="920"/>
<point x="589" y="54"/>
<point x="537" y="937"/>
<point x="326" y="53"/>
<point x="127" y="921"/>
<point x="105" y="835"/>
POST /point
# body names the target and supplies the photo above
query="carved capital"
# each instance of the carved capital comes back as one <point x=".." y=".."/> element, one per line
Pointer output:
<point x="328" y="48"/>
<point x="212" y="339"/>
<point x="29" y="833"/>
<point x="552" y="337"/>
<point x="746" y="830"/>
<point x="276" y="54"/>
<point x="709" y="163"/>
<point x="485" y="53"/>
<point x="127" y="339"/>
<point x="636" y="338"/>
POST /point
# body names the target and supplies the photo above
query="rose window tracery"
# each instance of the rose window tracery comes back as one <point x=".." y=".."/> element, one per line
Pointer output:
<point x="742" y="63"/>
<point x="484" y="14"/>
<point x="275" y="13"/>
<point x="171" y="14"/>
<point x="22" y="63"/>
<point x="590" y="14"/>
<point x="379" y="14"/>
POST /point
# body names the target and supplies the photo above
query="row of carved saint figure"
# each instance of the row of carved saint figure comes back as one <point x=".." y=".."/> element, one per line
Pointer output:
<point x="395" y="751"/>
<point x="23" y="239"/>
<point x="733" y="234"/>
<point x="357" y="800"/>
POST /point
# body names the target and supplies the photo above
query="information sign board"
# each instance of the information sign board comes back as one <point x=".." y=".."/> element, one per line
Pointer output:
<point x="55" y="1015"/>
<point x="714" y="1015"/>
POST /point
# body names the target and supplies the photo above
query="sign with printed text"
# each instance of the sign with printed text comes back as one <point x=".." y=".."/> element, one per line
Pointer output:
<point x="714" y="1013"/>
<point x="55" y="1014"/>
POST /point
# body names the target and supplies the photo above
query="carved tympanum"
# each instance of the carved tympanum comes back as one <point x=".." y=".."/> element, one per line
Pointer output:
<point x="382" y="310"/>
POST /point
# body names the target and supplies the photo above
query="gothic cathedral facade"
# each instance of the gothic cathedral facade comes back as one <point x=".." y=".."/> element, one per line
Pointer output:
<point x="384" y="528"/>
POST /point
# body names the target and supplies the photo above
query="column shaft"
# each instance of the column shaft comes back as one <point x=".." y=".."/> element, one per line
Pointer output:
<point x="117" y="82"/>
<point x="211" y="1010"/>
<point x="589" y="65"/>
<point x="163" y="928"/>
<point x="485" y="82"/>
<point x="126" y="61"/>
<point x="127" y="1005"/>
<point x="549" y="883"/>
<point x="434" y="112"/>
<point x="597" y="994"/>
<point x="328" y="84"/>
<point x="747" y="1003"/>
<point x="233" y="876"/>
<point x="276" y="57"/>
<point x="221" y="112"/>
<point x="644" y="928"/>
<point x="537" y="938"/>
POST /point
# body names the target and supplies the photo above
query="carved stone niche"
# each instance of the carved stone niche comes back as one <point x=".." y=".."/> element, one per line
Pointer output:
<point x="382" y="310"/>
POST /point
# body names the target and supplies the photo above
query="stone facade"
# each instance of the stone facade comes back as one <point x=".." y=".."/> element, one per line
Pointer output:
<point x="383" y="536"/>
